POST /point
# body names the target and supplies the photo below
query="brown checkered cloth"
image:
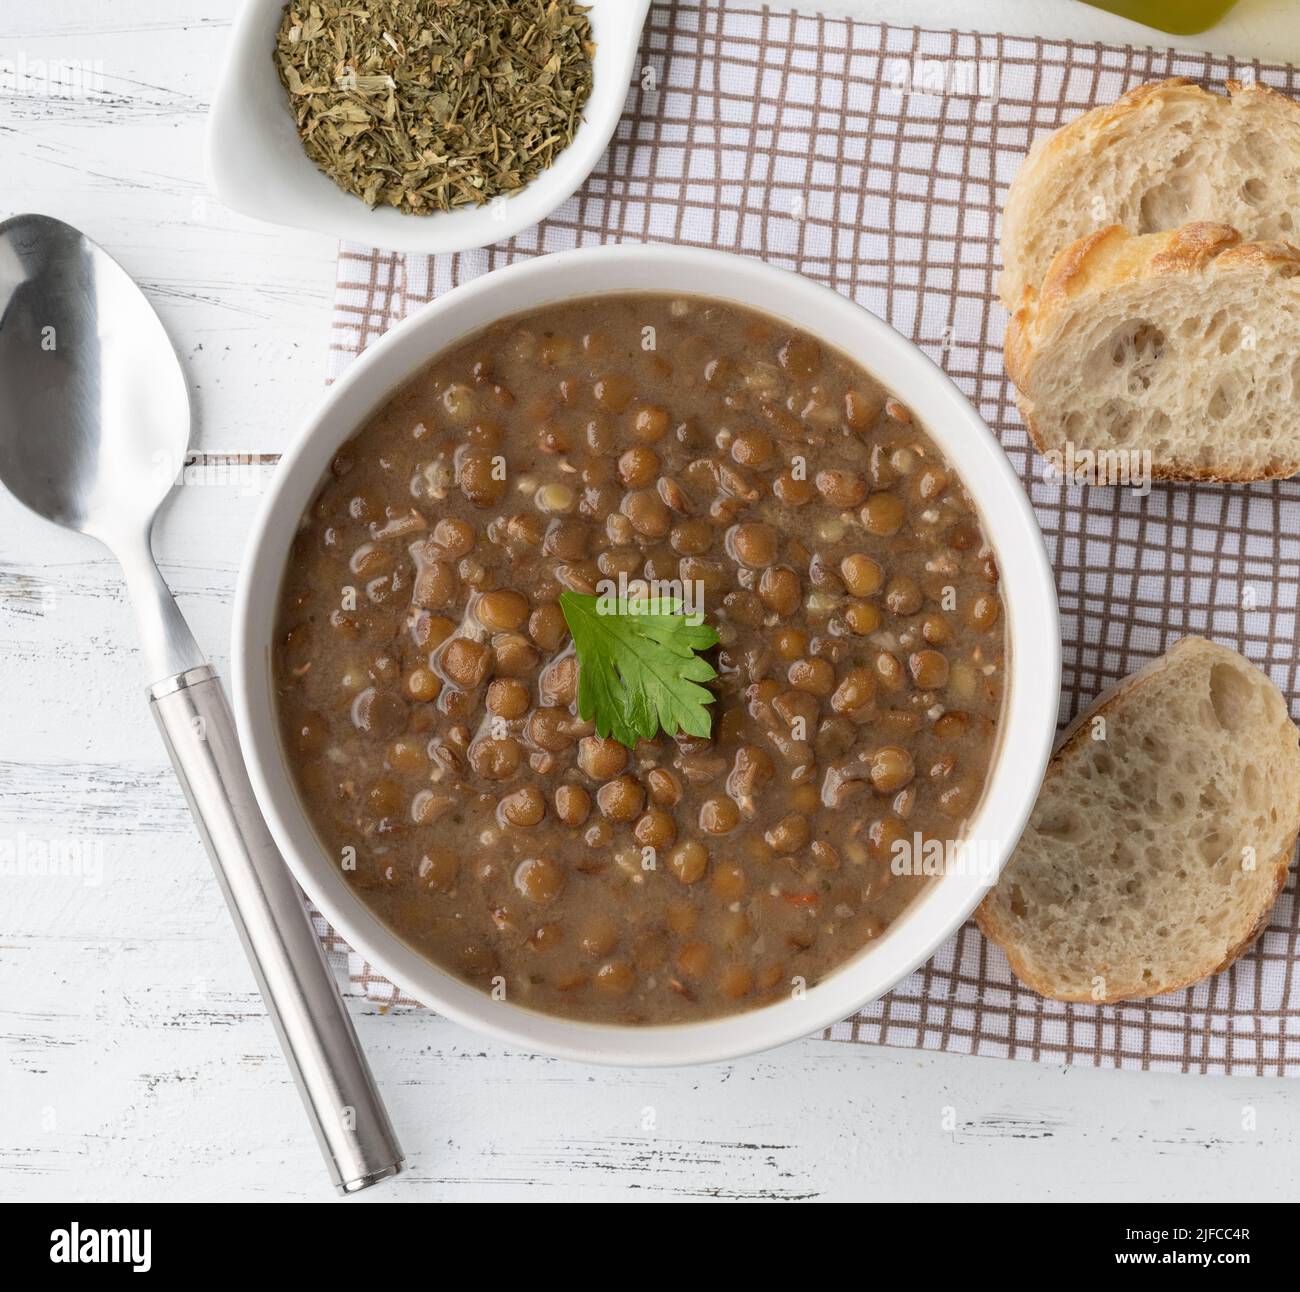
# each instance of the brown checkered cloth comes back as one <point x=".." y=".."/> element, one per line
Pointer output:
<point x="875" y="159"/>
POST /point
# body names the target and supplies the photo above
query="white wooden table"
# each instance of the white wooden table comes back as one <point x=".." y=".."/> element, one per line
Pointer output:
<point x="135" y="1057"/>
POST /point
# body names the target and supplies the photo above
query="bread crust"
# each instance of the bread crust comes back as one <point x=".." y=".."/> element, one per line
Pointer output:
<point x="1113" y="258"/>
<point x="1074" y="736"/>
<point x="1085" y="134"/>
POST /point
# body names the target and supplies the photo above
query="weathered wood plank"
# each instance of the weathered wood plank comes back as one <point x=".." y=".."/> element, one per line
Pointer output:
<point x="135" y="1059"/>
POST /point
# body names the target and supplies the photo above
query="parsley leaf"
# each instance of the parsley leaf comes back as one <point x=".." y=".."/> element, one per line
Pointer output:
<point x="638" y="671"/>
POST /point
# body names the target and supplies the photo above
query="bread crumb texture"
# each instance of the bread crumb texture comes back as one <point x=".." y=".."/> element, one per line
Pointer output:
<point x="1184" y="345"/>
<point x="1155" y="852"/>
<point x="1165" y="154"/>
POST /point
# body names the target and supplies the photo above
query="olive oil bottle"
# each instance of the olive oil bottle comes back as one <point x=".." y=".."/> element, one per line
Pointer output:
<point x="1178" y="17"/>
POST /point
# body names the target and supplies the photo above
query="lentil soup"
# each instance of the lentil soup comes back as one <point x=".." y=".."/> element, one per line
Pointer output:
<point x="427" y="685"/>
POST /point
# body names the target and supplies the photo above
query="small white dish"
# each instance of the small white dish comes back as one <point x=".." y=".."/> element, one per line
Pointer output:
<point x="256" y="163"/>
<point x="1029" y="591"/>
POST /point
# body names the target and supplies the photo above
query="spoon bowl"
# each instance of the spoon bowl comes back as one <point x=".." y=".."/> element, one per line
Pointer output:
<point x="95" y="414"/>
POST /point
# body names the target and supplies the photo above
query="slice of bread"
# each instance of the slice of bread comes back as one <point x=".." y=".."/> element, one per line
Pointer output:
<point x="1185" y="344"/>
<point x="1153" y="856"/>
<point x="1164" y="154"/>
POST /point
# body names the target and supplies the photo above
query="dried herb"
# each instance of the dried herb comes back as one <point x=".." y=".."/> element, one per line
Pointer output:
<point x="427" y="105"/>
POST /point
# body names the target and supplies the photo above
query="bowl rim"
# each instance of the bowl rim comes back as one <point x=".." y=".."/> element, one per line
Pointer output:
<point x="252" y="169"/>
<point x="1032" y="692"/>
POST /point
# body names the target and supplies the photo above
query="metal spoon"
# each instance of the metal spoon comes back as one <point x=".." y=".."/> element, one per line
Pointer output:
<point x="94" y="426"/>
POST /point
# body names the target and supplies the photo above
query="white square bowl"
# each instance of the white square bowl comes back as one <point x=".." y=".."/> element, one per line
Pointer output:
<point x="257" y="166"/>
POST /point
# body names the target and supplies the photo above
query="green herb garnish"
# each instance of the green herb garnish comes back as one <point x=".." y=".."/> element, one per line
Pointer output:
<point x="638" y="670"/>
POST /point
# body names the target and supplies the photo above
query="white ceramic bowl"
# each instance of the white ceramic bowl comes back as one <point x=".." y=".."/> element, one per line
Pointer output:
<point x="257" y="166"/>
<point x="1029" y="720"/>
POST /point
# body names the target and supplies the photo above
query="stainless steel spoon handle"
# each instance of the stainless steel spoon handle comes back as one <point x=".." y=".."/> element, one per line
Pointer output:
<point x="300" y="993"/>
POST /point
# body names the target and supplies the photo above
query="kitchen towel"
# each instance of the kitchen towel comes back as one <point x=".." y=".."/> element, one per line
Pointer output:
<point x="875" y="159"/>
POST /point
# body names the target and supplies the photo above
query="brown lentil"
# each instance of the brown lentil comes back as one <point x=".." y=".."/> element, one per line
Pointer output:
<point x="433" y="728"/>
